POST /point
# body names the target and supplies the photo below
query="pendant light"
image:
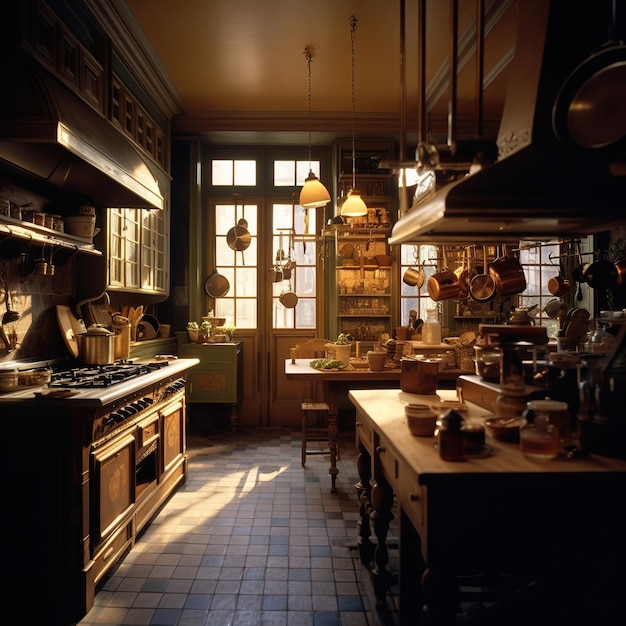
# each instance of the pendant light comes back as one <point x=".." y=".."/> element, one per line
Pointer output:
<point x="313" y="194"/>
<point x="354" y="206"/>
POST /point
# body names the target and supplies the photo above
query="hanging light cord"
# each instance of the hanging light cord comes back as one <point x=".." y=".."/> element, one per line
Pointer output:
<point x="309" y="58"/>
<point x="352" y="20"/>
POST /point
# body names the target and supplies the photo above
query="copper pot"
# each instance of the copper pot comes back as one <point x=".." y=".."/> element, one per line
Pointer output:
<point x="559" y="286"/>
<point x="443" y="285"/>
<point x="414" y="277"/>
<point x="508" y="274"/>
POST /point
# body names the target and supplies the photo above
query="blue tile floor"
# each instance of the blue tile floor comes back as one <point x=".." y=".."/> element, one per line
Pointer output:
<point x="252" y="538"/>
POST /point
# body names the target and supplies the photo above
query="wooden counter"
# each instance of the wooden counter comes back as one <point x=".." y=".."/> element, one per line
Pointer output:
<point x="557" y="524"/>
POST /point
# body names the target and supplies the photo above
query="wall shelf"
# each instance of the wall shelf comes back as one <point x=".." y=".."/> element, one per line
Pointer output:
<point x="34" y="235"/>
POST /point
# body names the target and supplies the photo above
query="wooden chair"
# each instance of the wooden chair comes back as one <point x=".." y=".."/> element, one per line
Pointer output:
<point x="313" y="407"/>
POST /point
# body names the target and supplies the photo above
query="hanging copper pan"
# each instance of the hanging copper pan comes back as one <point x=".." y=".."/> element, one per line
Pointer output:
<point x="508" y="274"/>
<point x="482" y="287"/>
<point x="238" y="237"/>
<point x="216" y="285"/>
<point x="443" y="285"/>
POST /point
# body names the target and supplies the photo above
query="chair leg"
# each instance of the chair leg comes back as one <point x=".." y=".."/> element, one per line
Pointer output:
<point x="304" y="436"/>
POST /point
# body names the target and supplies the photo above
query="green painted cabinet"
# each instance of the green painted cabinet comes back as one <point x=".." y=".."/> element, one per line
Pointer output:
<point x="218" y="378"/>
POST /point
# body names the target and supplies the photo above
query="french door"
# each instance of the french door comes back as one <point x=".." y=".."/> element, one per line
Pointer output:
<point x="284" y="257"/>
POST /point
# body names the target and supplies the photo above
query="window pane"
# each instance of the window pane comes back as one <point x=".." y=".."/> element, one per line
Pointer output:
<point x="302" y="171"/>
<point x="222" y="172"/>
<point x="245" y="173"/>
<point x="239" y="306"/>
<point x="284" y="174"/>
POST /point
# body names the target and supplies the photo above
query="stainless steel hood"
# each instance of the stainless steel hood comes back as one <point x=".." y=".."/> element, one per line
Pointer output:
<point x="543" y="185"/>
<point x="52" y="138"/>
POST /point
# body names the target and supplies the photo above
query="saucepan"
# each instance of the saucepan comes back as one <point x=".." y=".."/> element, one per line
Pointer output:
<point x="443" y="285"/>
<point x="288" y="298"/>
<point x="482" y="287"/>
<point x="559" y="285"/>
<point x="508" y="274"/>
<point x="414" y="277"/>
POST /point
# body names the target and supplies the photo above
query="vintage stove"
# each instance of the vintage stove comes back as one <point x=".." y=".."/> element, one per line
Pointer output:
<point x="94" y="454"/>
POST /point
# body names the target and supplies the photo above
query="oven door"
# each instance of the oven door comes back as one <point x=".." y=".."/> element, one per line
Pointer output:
<point x="113" y="487"/>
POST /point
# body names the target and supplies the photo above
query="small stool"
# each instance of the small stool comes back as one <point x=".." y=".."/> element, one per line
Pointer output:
<point x="318" y="434"/>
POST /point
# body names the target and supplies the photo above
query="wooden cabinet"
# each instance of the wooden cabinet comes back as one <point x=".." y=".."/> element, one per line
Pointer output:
<point x="364" y="284"/>
<point x="362" y="268"/>
<point x="218" y="378"/>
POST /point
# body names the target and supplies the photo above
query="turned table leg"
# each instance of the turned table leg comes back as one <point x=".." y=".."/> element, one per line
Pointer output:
<point x="382" y="503"/>
<point x="364" y="489"/>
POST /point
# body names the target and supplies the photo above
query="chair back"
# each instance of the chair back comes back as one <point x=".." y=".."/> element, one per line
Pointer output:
<point x="311" y="349"/>
<point x="310" y="391"/>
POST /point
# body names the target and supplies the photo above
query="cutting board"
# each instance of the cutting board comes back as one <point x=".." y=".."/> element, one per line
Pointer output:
<point x="69" y="327"/>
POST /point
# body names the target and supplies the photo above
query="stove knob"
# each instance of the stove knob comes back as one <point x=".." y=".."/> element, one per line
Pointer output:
<point x="124" y="413"/>
<point x="115" y="418"/>
<point x="131" y="409"/>
<point x="138" y="406"/>
<point x="148" y="401"/>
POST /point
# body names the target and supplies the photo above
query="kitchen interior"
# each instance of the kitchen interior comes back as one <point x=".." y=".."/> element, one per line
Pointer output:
<point x="148" y="308"/>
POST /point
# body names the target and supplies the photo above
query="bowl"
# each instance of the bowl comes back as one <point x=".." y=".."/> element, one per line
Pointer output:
<point x="504" y="428"/>
<point x="421" y="420"/>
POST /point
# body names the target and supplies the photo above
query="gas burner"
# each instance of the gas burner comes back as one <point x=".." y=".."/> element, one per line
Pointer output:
<point x="102" y="375"/>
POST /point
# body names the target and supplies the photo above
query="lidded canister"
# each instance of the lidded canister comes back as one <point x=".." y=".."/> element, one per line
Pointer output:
<point x="451" y="441"/>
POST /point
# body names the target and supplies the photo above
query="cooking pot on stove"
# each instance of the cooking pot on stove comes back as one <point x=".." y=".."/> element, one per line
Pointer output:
<point x="96" y="346"/>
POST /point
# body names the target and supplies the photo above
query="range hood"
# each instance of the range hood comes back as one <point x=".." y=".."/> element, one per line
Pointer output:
<point x="52" y="139"/>
<point x="546" y="183"/>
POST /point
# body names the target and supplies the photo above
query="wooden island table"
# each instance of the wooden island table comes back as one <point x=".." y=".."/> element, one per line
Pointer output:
<point x="557" y="528"/>
<point x="337" y="383"/>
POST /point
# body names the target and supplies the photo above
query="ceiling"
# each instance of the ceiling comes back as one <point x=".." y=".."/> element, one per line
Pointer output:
<point x="240" y="73"/>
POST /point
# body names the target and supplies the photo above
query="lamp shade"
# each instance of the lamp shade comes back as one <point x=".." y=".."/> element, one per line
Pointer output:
<point x="313" y="194"/>
<point x="354" y="205"/>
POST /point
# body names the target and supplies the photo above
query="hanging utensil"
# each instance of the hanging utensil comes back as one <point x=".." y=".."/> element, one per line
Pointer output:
<point x="238" y="237"/>
<point x="508" y="274"/>
<point x="306" y="228"/>
<point x="588" y="110"/>
<point x="483" y="286"/>
<point x="216" y="285"/>
<point x="579" y="273"/>
<point x="443" y="285"/>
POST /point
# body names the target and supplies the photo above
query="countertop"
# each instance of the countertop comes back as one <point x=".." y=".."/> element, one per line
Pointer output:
<point x="98" y="396"/>
<point x="385" y="407"/>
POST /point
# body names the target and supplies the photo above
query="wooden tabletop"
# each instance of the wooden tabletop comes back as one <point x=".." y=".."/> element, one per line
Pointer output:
<point x="301" y="370"/>
<point x="385" y="409"/>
